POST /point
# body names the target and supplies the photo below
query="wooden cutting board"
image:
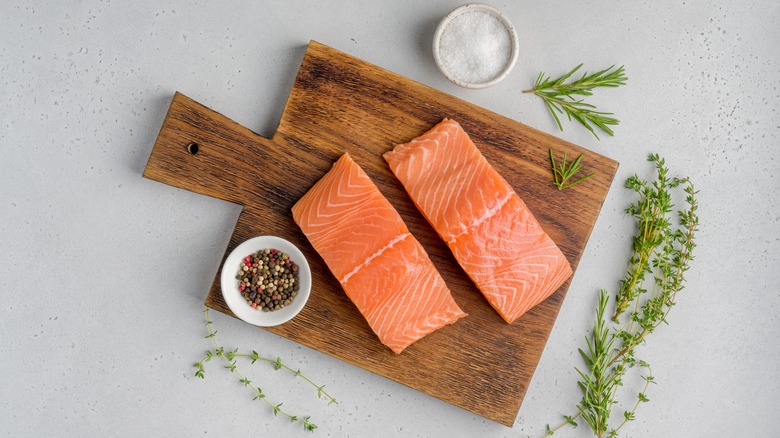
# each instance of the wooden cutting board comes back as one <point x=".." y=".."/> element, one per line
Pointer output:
<point x="342" y="104"/>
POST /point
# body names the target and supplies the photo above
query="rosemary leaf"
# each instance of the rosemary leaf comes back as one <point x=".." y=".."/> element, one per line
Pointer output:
<point x="566" y="171"/>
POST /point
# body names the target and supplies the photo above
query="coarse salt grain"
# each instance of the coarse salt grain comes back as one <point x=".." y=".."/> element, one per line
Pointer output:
<point x="475" y="47"/>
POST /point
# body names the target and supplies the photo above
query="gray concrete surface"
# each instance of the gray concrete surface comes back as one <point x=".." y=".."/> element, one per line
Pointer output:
<point x="104" y="273"/>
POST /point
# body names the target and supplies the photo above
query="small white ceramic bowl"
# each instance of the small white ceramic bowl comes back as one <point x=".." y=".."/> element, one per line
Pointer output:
<point x="235" y="300"/>
<point x="447" y="21"/>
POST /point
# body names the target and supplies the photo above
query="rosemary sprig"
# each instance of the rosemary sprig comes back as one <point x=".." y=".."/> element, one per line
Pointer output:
<point x="559" y="97"/>
<point x="661" y="250"/>
<point x="229" y="358"/>
<point x="566" y="171"/>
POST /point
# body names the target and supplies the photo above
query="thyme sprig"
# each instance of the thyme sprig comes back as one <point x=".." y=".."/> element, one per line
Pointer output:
<point x="655" y="234"/>
<point x="229" y="358"/>
<point x="559" y="97"/>
<point x="566" y="171"/>
<point x="661" y="250"/>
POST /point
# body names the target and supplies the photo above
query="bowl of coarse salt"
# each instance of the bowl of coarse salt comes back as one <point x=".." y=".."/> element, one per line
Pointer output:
<point x="475" y="46"/>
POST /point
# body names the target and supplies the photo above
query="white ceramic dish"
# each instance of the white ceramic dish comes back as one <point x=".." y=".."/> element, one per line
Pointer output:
<point x="447" y="22"/>
<point x="235" y="300"/>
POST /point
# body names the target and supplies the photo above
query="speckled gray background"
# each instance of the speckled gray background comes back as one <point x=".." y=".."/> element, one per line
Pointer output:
<point x="103" y="273"/>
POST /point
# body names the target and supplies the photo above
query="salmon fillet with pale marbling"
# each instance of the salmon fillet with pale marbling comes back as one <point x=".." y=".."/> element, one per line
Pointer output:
<point x="383" y="269"/>
<point x="489" y="229"/>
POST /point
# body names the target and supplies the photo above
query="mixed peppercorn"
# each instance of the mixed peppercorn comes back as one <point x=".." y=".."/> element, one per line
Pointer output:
<point x="268" y="279"/>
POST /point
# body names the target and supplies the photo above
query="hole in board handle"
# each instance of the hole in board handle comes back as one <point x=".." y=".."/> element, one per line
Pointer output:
<point x="193" y="148"/>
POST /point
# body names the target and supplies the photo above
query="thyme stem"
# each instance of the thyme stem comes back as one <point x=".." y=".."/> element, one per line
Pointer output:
<point x="630" y="416"/>
<point x="229" y="358"/>
<point x="568" y="420"/>
<point x="297" y="373"/>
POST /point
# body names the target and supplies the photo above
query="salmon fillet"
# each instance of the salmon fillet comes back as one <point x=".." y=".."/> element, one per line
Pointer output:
<point x="489" y="229"/>
<point x="383" y="269"/>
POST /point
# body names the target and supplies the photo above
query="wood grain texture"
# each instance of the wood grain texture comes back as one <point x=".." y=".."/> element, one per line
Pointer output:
<point x="342" y="104"/>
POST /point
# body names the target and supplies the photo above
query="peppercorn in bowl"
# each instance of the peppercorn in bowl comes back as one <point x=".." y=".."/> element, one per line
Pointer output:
<point x="266" y="281"/>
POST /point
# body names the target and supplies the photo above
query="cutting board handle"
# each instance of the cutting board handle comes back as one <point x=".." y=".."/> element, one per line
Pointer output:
<point x="203" y="151"/>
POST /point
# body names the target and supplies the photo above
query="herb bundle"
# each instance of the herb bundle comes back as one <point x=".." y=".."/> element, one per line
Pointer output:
<point x="662" y="251"/>
<point x="230" y="359"/>
<point x="560" y="97"/>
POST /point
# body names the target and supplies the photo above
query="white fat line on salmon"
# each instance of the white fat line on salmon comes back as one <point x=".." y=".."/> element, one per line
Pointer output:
<point x="488" y="214"/>
<point x="395" y="240"/>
